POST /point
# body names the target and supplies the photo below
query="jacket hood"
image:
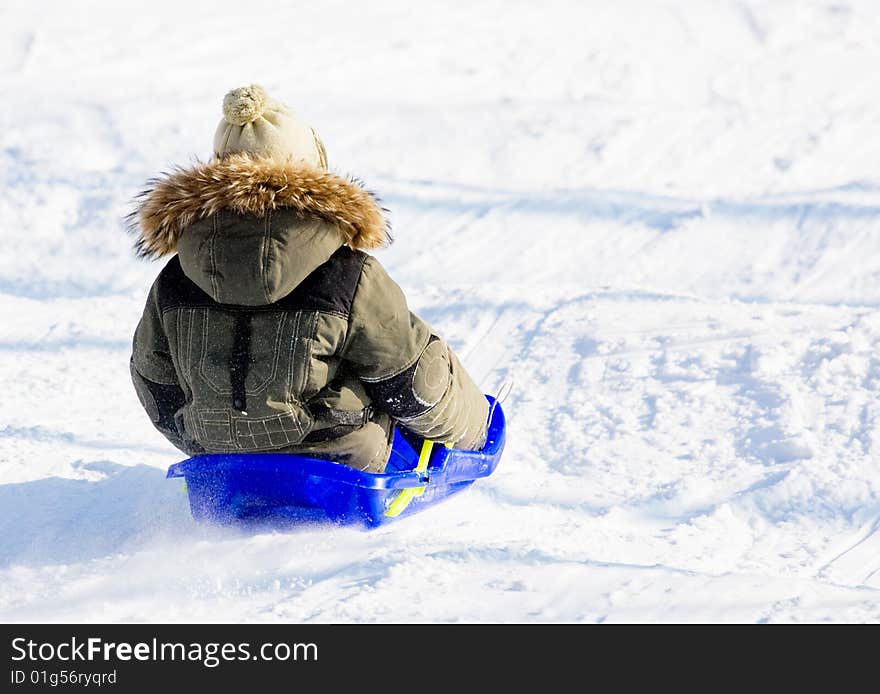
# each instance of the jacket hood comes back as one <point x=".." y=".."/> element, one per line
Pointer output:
<point x="248" y="230"/>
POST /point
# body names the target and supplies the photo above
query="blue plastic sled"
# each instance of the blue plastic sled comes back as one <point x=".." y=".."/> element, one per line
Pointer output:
<point x="290" y="489"/>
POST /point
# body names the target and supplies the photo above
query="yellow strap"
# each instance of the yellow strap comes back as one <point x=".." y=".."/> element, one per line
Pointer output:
<point x="401" y="501"/>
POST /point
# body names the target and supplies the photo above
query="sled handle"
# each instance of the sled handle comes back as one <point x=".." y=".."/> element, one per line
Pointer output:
<point x="401" y="501"/>
<point x="503" y="392"/>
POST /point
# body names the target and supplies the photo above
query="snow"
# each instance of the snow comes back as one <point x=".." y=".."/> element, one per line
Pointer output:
<point x="662" y="220"/>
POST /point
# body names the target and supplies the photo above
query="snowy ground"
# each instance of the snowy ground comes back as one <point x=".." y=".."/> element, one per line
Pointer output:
<point x="662" y="219"/>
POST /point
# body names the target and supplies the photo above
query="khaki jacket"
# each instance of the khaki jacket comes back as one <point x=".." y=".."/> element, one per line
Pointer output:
<point x="272" y="330"/>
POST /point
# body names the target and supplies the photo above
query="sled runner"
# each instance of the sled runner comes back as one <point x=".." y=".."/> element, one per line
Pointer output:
<point x="292" y="489"/>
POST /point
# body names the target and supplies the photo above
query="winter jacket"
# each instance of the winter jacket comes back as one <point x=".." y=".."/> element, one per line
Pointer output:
<point x="272" y="330"/>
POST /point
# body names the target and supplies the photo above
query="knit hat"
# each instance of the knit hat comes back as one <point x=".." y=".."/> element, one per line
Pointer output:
<point x="256" y="124"/>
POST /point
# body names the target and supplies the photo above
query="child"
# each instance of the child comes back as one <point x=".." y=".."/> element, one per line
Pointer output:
<point x="272" y="329"/>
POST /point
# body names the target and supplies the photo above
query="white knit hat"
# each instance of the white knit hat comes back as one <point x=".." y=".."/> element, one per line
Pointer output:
<point x="258" y="125"/>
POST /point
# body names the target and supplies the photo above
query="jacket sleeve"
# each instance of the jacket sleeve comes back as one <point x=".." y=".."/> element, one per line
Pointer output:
<point x="153" y="373"/>
<point x="408" y="371"/>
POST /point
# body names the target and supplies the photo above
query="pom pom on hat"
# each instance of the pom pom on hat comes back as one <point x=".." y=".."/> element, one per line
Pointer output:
<point x="261" y="126"/>
<point x="245" y="104"/>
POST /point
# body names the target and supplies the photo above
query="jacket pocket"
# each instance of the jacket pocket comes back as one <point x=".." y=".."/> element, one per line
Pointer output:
<point x="216" y="427"/>
<point x="275" y="431"/>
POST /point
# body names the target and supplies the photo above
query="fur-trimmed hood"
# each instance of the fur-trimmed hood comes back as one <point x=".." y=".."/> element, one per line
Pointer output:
<point x="244" y="185"/>
<point x="247" y="231"/>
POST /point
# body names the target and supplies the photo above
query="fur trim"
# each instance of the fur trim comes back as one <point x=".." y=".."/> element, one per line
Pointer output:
<point x="248" y="185"/>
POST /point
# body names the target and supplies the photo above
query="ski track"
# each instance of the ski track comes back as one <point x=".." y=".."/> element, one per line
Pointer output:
<point x="672" y="254"/>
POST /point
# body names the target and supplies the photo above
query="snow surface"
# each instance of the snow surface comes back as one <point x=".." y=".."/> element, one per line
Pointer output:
<point x="662" y="219"/>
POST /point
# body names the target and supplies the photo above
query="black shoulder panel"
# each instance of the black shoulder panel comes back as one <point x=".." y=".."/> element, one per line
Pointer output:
<point x="331" y="287"/>
<point x="176" y="290"/>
